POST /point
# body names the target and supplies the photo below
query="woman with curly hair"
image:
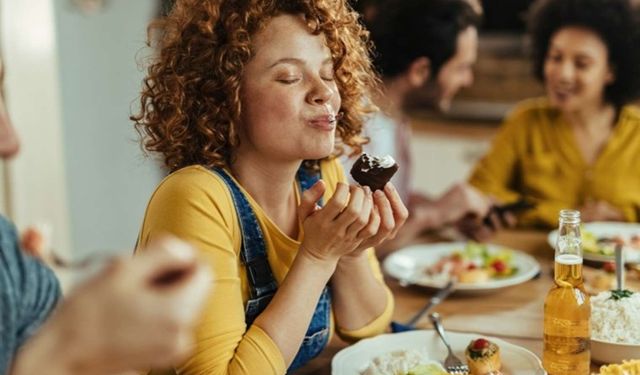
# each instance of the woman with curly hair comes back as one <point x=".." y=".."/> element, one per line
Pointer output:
<point x="578" y="146"/>
<point x="244" y="101"/>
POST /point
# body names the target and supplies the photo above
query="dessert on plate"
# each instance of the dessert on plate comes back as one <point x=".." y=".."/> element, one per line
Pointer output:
<point x="483" y="357"/>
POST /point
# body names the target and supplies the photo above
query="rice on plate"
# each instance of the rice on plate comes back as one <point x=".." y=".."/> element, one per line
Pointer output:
<point x="404" y="362"/>
<point x="616" y="319"/>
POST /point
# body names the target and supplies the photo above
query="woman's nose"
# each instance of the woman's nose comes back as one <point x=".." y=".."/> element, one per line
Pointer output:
<point x="566" y="70"/>
<point x="320" y="93"/>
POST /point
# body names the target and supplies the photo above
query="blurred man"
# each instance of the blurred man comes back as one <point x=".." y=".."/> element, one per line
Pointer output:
<point x="420" y="45"/>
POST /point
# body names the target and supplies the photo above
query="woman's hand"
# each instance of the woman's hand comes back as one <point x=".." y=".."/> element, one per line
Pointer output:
<point x="481" y="228"/>
<point x="462" y="200"/>
<point x="387" y="217"/>
<point x="339" y="227"/>
<point x="600" y="211"/>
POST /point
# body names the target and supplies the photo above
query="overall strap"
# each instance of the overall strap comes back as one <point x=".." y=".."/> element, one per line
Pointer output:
<point x="253" y="250"/>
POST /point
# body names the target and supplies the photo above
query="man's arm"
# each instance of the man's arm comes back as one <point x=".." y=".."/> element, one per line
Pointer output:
<point x="29" y="292"/>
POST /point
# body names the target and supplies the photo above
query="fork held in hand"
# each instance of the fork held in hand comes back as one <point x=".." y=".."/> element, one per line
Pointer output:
<point x="452" y="364"/>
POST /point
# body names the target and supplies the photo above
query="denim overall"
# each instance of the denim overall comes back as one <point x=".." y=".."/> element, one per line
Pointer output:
<point x="262" y="284"/>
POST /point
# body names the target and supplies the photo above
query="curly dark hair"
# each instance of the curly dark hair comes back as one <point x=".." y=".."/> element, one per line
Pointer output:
<point x="405" y="30"/>
<point x="190" y="101"/>
<point x="613" y="21"/>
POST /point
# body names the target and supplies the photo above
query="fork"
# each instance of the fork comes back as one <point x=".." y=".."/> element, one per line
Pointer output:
<point x="452" y="364"/>
<point x="433" y="301"/>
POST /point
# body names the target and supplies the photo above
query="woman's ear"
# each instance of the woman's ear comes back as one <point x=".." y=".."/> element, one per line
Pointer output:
<point x="419" y="71"/>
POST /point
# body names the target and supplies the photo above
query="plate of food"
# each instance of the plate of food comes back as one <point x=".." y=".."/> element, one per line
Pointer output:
<point x="422" y="353"/>
<point x="477" y="267"/>
<point x="599" y="240"/>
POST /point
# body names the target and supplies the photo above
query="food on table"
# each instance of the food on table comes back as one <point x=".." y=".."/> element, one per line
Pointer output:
<point x="373" y="171"/>
<point x="473" y="264"/>
<point x="427" y="370"/>
<point x="475" y="275"/>
<point x="615" y="317"/>
<point x="483" y="357"/>
<point x="606" y="245"/>
<point x="404" y="362"/>
<point x="601" y="281"/>
<point x="626" y="368"/>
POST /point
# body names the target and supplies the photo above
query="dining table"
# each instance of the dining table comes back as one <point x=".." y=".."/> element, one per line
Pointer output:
<point x="513" y="314"/>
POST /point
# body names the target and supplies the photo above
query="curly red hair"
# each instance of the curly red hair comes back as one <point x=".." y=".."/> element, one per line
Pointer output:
<point x="190" y="102"/>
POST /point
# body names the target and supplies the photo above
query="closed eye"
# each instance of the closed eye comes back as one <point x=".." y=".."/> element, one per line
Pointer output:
<point x="288" y="81"/>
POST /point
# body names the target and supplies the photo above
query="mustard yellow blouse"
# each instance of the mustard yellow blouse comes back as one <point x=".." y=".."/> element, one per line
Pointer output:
<point x="194" y="204"/>
<point x="535" y="156"/>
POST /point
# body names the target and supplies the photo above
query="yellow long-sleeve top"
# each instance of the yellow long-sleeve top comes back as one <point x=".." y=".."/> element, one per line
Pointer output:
<point x="535" y="155"/>
<point x="194" y="204"/>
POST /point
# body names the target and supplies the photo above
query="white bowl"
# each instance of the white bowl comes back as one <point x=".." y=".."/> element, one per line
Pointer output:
<point x="610" y="352"/>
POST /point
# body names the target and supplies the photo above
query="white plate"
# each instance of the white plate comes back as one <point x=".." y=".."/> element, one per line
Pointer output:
<point x="354" y="359"/>
<point x="606" y="229"/>
<point x="407" y="265"/>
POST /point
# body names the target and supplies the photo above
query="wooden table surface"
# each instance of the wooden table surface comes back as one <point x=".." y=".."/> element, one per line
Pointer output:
<point x="513" y="314"/>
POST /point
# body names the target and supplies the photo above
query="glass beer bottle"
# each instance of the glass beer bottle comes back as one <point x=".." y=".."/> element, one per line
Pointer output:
<point x="567" y="310"/>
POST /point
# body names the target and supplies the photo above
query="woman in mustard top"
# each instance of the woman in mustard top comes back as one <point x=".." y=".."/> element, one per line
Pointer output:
<point x="579" y="146"/>
<point x="244" y="101"/>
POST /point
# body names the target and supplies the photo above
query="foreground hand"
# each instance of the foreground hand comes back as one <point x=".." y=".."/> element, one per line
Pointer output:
<point x="600" y="211"/>
<point x="138" y="313"/>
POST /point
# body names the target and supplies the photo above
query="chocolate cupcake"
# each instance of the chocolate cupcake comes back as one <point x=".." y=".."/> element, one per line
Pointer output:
<point x="373" y="171"/>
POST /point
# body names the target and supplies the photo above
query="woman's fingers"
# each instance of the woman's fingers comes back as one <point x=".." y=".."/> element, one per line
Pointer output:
<point x="509" y="220"/>
<point x="400" y="211"/>
<point x="373" y="225"/>
<point x="494" y="222"/>
<point x="476" y="228"/>
<point x="355" y="213"/>
<point x="387" y="221"/>
<point x="365" y="213"/>
<point x="338" y="201"/>
<point x="383" y="221"/>
<point x="352" y="213"/>
<point x="309" y="200"/>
